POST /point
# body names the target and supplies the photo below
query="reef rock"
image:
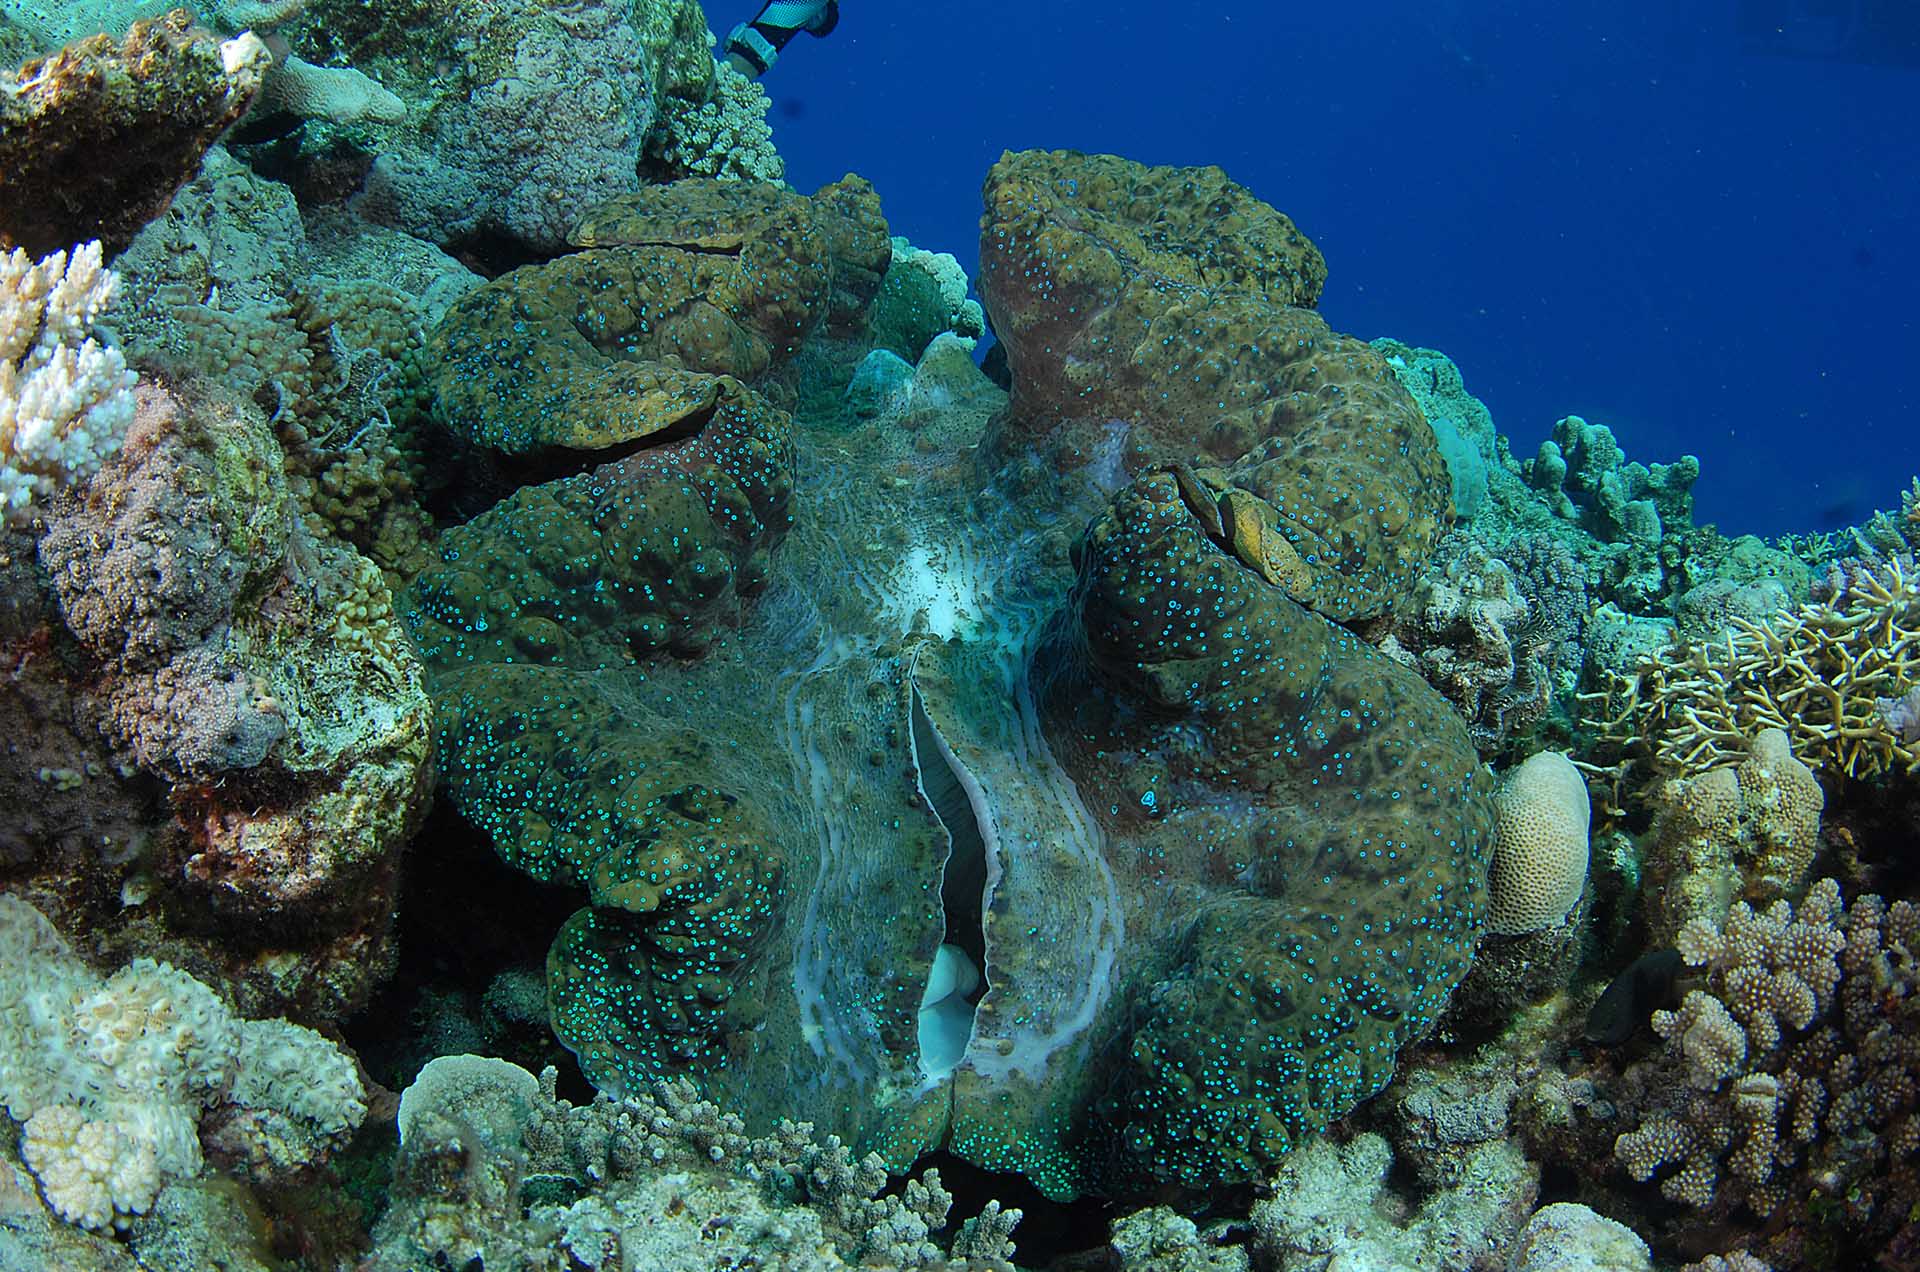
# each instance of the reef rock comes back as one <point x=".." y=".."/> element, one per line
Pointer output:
<point x="217" y="737"/>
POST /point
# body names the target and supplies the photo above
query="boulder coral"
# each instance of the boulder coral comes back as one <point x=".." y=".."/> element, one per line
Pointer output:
<point x="1743" y="831"/>
<point x="1539" y="845"/>
<point x="212" y="714"/>
<point x="817" y="709"/>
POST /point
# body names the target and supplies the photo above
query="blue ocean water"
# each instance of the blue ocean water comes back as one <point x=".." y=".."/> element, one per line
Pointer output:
<point x="1695" y="223"/>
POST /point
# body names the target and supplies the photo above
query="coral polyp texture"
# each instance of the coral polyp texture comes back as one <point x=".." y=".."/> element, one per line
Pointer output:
<point x="819" y="709"/>
<point x="126" y="1082"/>
<point x="221" y="737"/>
<point x="1539" y="845"/>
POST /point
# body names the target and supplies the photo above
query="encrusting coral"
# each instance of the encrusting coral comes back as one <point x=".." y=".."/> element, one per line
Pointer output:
<point x="213" y="714"/>
<point x="319" y="320"/>
<point x="1748" y="830"/>
<point x="129" y="1081"/>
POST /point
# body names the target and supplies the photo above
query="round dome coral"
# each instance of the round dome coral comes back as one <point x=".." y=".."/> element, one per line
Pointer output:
<point x="1539" y="845"/>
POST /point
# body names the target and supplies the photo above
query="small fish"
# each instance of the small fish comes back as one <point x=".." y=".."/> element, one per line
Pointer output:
<point x="1635" y="994"/>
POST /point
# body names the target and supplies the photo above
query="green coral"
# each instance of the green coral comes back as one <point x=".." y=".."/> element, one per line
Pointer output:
<point x="1159" y="314"/>
<point x="639" y="981"/>
<point x="637" y="333"/>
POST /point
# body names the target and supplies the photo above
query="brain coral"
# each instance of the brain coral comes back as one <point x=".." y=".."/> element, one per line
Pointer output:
<point x="1539" y="845"/>
<point x="808" y="705"/>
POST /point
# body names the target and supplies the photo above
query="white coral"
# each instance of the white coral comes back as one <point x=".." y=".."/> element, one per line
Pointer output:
<point x="118" y="1079"/>
<point x="91" y="1171"/>
<point x="65" y="399"/>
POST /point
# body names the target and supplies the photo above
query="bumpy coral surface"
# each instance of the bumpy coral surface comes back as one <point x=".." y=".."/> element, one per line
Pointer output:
<point x="520" y="114"/>
<point x="678" y="289"/>
<point x="1540" y="845"/>
<point x="213" y="714"/>
<point x="1155" y="314"/>
<point x="1749" y="830"/>
<point x="95" y="138"/>
<point x="1796" y="1060"/>
<point x="494" y="1167"/>
<point x="813" y="708"/>
<point x="126" y="1081"/>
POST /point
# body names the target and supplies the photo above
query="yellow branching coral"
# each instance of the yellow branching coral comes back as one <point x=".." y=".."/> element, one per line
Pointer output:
<point x="1822" y="674"/>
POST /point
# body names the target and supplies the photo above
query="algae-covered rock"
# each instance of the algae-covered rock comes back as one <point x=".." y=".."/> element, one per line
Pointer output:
<point x="218" y="718"/>
<point x="96" y="137"/>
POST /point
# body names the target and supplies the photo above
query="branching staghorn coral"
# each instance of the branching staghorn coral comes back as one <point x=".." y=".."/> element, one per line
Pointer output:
<point x="65" y="398"/>
<point x="1819" y="673"/>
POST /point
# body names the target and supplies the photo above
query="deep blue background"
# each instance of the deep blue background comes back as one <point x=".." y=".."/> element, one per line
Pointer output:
<point x="1608" y="209"/>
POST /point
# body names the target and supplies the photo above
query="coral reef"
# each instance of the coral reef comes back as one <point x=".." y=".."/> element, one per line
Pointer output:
<point x="923" y="294"/>
<point x="154" y="100"/>
<point x="1817" y="673"/>
<point x="1152" y="315"/>
<point x="213" y="718"/>
<point x="1796" y="1057"/>
<point x="519" y="115"/>
<point x="1539" y="845"/>
<point x="494" y="1167"/>
<point x="65" y="399"/>
<point x="129" y="1081"/>
<point x="1749" y="831"/>
<point x="754" y="679"/>
<point x="1631" y="507"/>
<point x="676" y="295"/>
<point x="1568" y="1237"/>
<point x="1332" y="1199"/>
<point x="1495" y="630"/>
<point x="724" y="134"/>
<point x="320" y="320"/>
